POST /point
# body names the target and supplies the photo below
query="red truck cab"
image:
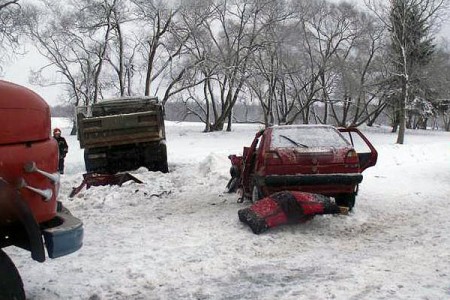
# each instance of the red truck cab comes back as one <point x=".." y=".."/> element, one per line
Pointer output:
<point x="30" y="215"/>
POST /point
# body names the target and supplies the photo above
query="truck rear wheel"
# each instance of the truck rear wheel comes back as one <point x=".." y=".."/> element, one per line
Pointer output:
<point x="11" y="286"/>
<point x="155" y="158"/>
<point x="163" y="167"/>
<point x="95" y="161"/>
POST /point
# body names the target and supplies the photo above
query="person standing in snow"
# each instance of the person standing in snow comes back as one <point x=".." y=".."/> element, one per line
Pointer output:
<point x="63" y="148"/>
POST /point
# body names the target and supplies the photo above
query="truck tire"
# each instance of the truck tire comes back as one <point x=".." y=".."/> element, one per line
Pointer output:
<point x="162" y="164"/>
<point x="347" y="200"/>
<point x="87" y="163"/>
<point x="11" y="286"/>
<point x="154" y="157"/>
<point x="96" y="165"/>
<point x="163" y="167"/>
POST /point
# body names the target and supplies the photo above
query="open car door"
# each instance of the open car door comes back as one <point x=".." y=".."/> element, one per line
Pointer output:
<point x="367" y="153"/>
<point x="249" y="160"/>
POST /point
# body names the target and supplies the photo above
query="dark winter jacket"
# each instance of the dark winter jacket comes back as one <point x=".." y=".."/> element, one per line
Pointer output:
<point x="62" y="145"/>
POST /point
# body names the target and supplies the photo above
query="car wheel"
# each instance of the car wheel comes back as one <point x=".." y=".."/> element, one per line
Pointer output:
<point x="11" y="286"/>
<point x="347" y="200"/>
<point x="256" y="193"/>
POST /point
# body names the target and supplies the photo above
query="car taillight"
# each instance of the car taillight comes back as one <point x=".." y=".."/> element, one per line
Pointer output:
<point x="351" y="159"/>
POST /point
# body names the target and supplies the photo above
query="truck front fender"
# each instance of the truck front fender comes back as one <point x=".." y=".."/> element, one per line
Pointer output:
<point x="14" y="210"/>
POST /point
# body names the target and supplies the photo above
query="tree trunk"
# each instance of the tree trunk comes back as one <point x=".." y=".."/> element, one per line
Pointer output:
<point x="74" y="128"/>
<point x="402" y="112"/>
<point x="396" y="116"/>
<point x="229" y="120"/>
<point x="217" y="126"/>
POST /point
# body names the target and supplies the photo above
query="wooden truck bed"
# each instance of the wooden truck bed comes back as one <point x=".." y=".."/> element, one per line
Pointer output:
<point x="120" y="129"/>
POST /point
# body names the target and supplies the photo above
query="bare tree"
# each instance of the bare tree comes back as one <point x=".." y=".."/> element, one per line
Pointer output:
<point x="230" y="37"/>
<point x="437" y="80"/>
<point x="270" y="65"/>
<point x="358" y="92"/>
<point x="410" y="23"/>
<point x="123" y="48"/>
<point x="168" y="69"/>
<point x="97" y="24"/>
<point x="74" y="38"/>
<point x="14" y="16"/>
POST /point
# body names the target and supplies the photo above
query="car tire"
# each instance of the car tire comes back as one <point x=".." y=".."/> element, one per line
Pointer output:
<point x="347" y="200"/>
<point x="11" y="285"/>
<point x="256" y="193"/>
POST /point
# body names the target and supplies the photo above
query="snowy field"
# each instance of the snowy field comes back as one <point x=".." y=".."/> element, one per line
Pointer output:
<point x="177" y="236"/>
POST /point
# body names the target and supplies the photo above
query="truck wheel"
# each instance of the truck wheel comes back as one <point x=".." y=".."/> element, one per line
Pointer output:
<point x="347" y="200"/>
<point x="163" y="167"/>
<point x="87" y="163"/>
<point x="11" y="286"/>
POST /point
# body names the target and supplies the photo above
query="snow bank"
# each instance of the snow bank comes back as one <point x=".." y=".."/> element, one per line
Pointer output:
<point x="177" y="236"/>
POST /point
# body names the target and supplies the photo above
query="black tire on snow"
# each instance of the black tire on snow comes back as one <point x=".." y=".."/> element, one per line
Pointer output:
<point x="347" y="200"/>
<point x="11" y="286"/>
<point x="163" y="167"/>
<point x="155" y="159"/>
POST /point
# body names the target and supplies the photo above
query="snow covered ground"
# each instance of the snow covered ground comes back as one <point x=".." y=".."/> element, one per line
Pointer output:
<point x="177" y="236"/>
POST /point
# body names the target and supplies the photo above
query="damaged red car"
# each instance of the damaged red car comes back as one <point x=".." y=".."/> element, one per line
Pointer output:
<point x="318" y="159"/>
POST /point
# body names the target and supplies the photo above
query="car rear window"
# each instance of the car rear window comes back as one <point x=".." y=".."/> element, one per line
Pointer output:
<point x="307" y="137"/>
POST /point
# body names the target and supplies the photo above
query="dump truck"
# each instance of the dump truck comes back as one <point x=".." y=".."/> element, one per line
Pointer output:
<point x="123" y="134"/>
<point x="31" y="217"/>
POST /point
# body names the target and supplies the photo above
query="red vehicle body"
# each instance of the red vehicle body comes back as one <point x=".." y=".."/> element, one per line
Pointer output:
<point x="29" y="184"/>
<point x="308" y="158"/>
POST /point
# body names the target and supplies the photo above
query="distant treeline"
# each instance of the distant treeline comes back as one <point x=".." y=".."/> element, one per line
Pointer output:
<point x="242" y="113"/>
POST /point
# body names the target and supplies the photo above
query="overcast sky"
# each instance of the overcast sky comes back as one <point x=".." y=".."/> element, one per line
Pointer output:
<point x="18" y="72"/>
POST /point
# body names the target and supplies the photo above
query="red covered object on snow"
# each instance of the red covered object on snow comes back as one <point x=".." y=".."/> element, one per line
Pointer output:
<point x="286" y="207"/>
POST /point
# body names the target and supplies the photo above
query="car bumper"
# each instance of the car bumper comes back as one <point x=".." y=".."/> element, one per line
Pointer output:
<point x="309" y="179"/>
<point x="64" y="238"/>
